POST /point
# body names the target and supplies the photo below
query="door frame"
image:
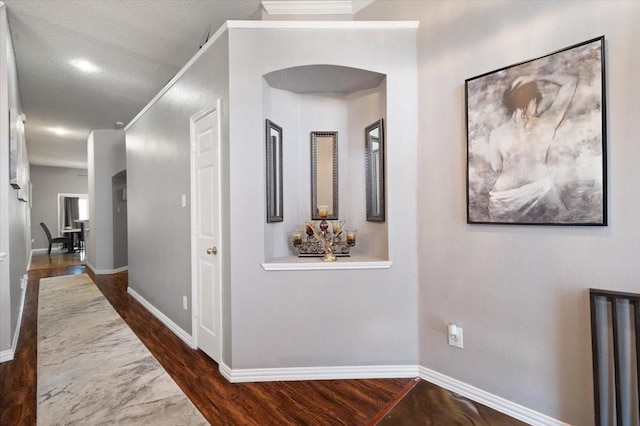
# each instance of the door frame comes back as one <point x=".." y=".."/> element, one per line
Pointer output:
<point x="195" y="286"/>
<point x="60" y="199"/>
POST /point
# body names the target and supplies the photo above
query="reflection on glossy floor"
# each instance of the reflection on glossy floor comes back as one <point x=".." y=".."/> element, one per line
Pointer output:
<point x="57" y="259"/>
<point x="423" y="403"/>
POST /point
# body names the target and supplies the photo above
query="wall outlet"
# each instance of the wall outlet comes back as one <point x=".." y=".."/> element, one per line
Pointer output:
<point x="185" y="303"/>
<point x="455" y="336"/>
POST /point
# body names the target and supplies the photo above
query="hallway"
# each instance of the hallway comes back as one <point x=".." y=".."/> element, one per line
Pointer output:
<point x="350" y="402"/>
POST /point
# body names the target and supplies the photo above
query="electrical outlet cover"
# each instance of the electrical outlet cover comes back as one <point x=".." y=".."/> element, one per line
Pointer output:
<point x="458" y="342"/>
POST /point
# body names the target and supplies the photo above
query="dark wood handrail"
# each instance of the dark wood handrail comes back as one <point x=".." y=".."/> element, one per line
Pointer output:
<point x="613" y="297"/>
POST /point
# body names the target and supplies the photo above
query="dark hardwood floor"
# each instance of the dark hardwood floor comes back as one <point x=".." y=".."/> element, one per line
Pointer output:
<point x="330" y="402"/>
<point x="326" y="402"/>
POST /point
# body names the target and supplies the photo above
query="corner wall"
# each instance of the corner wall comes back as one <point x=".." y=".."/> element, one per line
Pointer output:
<point x="321" y="318"/>
<point x="106" y="156"/>
<point x="520" y="293"/>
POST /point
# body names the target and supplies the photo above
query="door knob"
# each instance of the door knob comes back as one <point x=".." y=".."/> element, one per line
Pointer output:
<point x="212" y="250"/>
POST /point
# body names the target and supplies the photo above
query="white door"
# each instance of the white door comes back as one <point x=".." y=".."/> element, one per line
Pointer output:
<point x="206" y="232"/>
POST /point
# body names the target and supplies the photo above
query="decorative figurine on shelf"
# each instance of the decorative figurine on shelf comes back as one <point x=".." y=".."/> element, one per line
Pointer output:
<point x="322" y="242"/>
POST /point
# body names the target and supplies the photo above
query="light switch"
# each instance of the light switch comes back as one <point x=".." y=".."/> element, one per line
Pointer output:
<point x="184" y="200"/>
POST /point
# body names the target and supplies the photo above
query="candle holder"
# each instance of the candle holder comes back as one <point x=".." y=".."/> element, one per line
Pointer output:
<point x="324" y="240"/>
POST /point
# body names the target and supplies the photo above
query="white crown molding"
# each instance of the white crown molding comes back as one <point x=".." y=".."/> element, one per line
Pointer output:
<point x="178" y="76"/>
<point x="371" y="25"/>
<point x="358" y="5"/>
<point x="332" y="25"/>
<point x="314" y="7"/>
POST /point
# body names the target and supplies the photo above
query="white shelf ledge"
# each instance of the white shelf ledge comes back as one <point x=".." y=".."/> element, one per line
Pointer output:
<point x="294" y="263"/>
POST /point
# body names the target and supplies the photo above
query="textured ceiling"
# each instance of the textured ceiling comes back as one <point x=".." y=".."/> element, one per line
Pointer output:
<point x="137" y="46"/>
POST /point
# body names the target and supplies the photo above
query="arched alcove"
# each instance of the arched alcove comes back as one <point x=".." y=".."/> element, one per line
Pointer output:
<point x="324" y="98"/>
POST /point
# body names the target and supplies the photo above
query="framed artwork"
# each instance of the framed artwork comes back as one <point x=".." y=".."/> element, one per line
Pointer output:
<point x="274" y="172"/>
<point x="14" y="148"/>
<point x="536" y="140"/>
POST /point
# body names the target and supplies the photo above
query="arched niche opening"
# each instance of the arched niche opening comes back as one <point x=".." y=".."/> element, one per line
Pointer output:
<point x="324" y="98"/>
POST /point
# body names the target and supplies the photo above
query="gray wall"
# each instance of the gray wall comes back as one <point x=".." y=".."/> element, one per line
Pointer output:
<point x="106" y="156"/>
<point x="520" y="293"/>
<point x="48" y="182"/>
<point x="158" y="173"/>
<point x="321" y="318"/>
<point x="14" y="214"/>
<point x="274" y="319"/>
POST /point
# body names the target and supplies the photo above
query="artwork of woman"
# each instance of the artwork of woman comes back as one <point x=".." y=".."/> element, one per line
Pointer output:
<point x="519" y="149"/>
<point x="535" y="141"/>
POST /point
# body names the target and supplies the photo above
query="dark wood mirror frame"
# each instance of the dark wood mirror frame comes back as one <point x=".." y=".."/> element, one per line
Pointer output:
<point x="374" y="171"/>
<point x="324" y="146"/>
<point x="273" y="142"/>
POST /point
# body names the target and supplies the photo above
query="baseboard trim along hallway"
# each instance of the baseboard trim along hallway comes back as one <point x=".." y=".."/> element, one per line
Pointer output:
<point x="183" y="335"/>
<point x="9" y="354"/>
<point x="249" y="375"/>
<point x="318" y="373"/>
<point x="480" y="396"/>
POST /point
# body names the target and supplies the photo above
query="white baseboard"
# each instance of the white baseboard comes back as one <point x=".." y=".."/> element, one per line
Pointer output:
<point x="244" y="375"/>
<point x="480" y="396"/>
<point x="490" y="400"/>
<point x="105" y="271"/>
<point x="116" y="271"/>
<point x="46" y="249"/>
<point x="183" y="335"/>
<point x="9" y="354"/>
<point x="390" y="371"/>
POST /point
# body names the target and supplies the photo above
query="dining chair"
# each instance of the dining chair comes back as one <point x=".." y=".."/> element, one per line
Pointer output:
<point x="57" y="240"/>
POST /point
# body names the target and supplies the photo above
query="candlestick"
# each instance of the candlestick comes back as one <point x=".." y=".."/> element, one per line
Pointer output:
<point x="297" y="237"/>
<point x="351" y="237"/>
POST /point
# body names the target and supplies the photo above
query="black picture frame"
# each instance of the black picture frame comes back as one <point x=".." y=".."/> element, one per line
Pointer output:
<point x="15" y="149"/>
<point x="274" y="178"/>
<point x="536" y="140"/>
<point x="374" y="171"/>
<point x="324" y="174"/>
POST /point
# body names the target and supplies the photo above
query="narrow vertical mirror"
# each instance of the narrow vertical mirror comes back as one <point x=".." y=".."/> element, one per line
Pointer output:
<point x="274" y="172"/>
<point x="324" y="173"/>
<point x="374" y="169"/>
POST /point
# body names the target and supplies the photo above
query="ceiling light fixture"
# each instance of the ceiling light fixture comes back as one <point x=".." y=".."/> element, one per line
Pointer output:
<point x="59" y="131"/>
<point x="85" y="66"/>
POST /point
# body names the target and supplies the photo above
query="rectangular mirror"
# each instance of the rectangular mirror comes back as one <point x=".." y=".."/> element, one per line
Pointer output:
<point x="324" y="173"/>
<point x="274" y="172"/>
<point x="374" y="170"/>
